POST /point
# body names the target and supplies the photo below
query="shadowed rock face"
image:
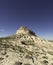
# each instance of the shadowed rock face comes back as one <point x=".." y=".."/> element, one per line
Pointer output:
<point x="25" y="48"/>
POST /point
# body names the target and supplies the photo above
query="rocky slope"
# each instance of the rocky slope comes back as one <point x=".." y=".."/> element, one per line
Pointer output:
<point x="25" y="48"/>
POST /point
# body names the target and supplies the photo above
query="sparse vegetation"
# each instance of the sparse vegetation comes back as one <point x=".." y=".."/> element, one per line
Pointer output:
<point x="25" y="49"/>
<point x="44" y="62"/>
<point x="50" y="52"/>
<point x="26" y="64"/>
<point x="45" y="57"/>
<point x="27" y="43"/>
<point x="51" y="63"/>
<point x="1" y="58"/>
<point x="28" y="56"/>
<point x="18" y="63"/>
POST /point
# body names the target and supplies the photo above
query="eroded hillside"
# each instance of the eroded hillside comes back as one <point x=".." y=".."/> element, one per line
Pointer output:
<point x="25" y="48"/>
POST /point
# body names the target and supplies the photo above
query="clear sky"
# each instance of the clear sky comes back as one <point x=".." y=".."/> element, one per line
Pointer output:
<point x="37" y="15"/>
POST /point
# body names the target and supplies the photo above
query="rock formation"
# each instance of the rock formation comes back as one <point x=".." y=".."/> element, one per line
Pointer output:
<point x="25" y="48"/>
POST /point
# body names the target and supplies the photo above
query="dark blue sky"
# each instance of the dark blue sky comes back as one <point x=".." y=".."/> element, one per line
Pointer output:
<point x="37" y="15"/>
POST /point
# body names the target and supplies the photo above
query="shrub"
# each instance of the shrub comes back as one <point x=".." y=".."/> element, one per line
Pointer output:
<point x="27" y="64"/>
<point x="1" y="58"/>
<point x="45" y="57"/>
<point x="18" y="63"/>
<point x="51" y="63"/>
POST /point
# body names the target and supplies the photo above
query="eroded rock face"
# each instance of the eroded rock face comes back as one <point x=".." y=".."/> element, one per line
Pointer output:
<point x="25" y="48"/>
<point x="24" y="30"/>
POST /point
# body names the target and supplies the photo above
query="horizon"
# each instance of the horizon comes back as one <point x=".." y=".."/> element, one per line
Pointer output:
<point x="27" y="28"/>
<point x="37" y="15"/>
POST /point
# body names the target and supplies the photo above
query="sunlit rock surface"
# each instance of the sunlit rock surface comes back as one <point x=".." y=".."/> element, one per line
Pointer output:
<point x="25" y="48"/>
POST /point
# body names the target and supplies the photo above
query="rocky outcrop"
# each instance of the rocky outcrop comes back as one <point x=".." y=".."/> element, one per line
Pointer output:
<point x="24" y="30"/>
<point x="25" y="48"/>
